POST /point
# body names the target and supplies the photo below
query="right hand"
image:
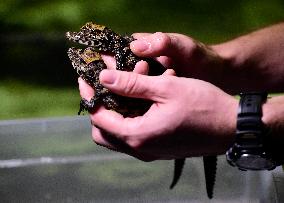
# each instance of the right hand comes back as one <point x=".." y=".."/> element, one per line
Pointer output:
<point x="188" y="117"/>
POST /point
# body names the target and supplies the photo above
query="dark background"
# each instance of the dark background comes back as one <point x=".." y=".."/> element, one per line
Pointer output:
<point x="37" y="79"/>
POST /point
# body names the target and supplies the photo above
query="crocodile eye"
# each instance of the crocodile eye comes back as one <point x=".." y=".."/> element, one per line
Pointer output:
<point x="97" y="43"/>
<point x="90" y="43"/>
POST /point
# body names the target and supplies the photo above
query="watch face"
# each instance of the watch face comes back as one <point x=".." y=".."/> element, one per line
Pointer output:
<point x="254" y="162"/>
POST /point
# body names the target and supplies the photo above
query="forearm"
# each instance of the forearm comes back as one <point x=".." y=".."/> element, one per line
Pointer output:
<point x="254" y="61"/>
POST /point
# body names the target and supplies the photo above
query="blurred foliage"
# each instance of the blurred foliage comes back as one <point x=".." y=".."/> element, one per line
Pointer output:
<point x="21" y="100"/>
<point x="33" y="46"/>
<point x="205" y="20"/>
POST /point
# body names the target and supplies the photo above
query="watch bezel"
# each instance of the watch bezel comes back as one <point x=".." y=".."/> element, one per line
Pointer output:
<point x="242" y="159"/>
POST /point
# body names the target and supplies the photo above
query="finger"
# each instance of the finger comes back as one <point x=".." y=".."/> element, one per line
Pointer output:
<point x="170" y="72"/>
<point x="115" y="123"/>
<point x="100" y="140"/>
<point x="100" y="135"/>
<point x="141" y="68"/>
<point x="165" y="61"/>
<point x="132" y="84"/>
<point x="162" y="44"/>
<point x="105" y="139"/>
<point x="86" y="91"/>
<point x="140" y="35"/>
<point x="109" y="61"/>
<point x="115" y="142"/>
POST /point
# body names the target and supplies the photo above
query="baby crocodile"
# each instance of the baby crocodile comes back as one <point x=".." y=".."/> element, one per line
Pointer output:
<point x="88" y="64"/>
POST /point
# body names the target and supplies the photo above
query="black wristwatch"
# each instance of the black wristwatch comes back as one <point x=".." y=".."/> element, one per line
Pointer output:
<point x="249" y="151"/>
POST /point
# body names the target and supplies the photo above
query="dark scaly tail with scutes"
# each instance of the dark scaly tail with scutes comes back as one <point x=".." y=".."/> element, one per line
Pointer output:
<point x="210" y="168"/>
<point x="179" y="163"/>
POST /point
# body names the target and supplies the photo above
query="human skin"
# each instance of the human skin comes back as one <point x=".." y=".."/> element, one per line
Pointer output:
<point x="193" y="113"/>
<point x="248" y="63"/>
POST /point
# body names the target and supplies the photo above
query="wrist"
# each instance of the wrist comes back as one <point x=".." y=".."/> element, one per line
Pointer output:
<point x="273" y="116"/>
<point x="228" y="51"/>
<point x="232" y="58"/>
<point x="254" y="148"/>
<point x="232" y="121"/>
<point x="228" y="126"/>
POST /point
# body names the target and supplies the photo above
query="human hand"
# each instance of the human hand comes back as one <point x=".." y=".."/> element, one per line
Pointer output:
<point x="188" y="57"/>
<point x="188" y="117"/>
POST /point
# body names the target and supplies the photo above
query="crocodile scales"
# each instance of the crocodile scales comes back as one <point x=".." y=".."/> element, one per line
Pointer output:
<point x="88" y="64"/>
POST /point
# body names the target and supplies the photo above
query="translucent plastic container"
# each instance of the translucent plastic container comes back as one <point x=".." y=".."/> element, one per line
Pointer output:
<point x="55" y="160"/>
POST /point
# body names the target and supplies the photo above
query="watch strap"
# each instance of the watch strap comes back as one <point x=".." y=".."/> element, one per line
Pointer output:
<point x="250" y="128"/>
<point x="251" y="103"/>
<point x="248" y="152"/>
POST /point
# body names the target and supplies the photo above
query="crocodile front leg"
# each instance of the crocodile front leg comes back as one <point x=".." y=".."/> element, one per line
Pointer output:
<point x="87" y="105"/>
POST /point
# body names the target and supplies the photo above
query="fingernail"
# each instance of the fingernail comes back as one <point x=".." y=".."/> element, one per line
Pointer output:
<point x="140" y="45"/>
<point x="107" y="77"/>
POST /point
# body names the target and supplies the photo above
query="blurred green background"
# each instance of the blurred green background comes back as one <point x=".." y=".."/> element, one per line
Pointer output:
<point x="37" y="79"/>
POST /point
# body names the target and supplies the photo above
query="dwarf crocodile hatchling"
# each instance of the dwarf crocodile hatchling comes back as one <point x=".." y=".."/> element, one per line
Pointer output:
<point x="88" y="64"/>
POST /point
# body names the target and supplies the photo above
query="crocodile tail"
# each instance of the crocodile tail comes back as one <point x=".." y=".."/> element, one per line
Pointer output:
<point x="210" y="168"/>
<point x="179" y="163"/>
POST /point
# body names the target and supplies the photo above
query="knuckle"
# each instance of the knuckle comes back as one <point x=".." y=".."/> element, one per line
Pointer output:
<point x="135" y="144"/>
<point x="138" y="145"/>
<point x="163" y="41"/>
<point x="133" y="134"/>
<point x="131" y="84"/>
<point x="195" y="48"/>
<point x="136" y="138"/>
<point x="96" y="135"/>
<point x="96" y="139"/>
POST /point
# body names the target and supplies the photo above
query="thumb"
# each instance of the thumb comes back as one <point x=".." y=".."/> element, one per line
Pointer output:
<point x="131" y="84"/>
